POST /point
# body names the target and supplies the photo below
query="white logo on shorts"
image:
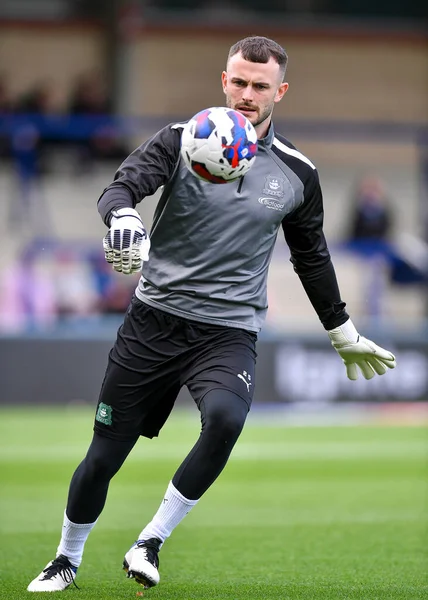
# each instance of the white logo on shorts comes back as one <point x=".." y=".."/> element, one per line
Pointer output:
<point x="246" y="378"/>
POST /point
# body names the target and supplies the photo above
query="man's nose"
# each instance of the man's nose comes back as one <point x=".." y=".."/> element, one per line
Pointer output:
<point x="248" y="94"/>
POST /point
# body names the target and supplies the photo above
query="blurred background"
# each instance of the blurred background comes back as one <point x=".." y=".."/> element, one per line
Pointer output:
<point x="82" y="83"/>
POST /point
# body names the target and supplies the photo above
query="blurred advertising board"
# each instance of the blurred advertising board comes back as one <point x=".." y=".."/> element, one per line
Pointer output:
<point x="45" y="370"/>
<point x="310" y="373"/>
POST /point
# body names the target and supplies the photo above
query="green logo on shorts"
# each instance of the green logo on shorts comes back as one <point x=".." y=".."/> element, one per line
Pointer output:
<point x="104" y="414"/>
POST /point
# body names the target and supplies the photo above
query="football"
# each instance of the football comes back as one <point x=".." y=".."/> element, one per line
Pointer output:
<point x="219" y="145"/>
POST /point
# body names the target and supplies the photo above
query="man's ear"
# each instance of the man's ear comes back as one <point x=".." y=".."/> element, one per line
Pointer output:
<point x="282" y="90"/>
<point x="224" y="81"/>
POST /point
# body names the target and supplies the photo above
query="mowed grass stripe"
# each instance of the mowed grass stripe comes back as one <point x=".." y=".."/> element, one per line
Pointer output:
<point x="158" y="450"/>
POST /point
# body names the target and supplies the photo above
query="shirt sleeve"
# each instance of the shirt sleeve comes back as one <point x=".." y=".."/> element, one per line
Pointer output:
<point x="303" y="231"/>
<point x="141" y="174"/>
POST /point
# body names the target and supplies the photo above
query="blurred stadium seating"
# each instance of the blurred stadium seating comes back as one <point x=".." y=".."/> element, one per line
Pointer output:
<point x="345" y="111"/>
<point x="65" y="210"/>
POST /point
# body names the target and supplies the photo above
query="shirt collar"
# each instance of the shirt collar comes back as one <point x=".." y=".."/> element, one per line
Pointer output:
<point x="267" y="141"/>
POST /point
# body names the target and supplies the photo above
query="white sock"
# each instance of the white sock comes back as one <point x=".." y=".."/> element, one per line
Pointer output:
<point x="73" y="538"/>
<point x="174" y="507"/>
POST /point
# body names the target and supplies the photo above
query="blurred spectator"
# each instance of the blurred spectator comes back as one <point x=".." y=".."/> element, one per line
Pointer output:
<point x="372" y="217"/>
<point x="27" y="296"/>
<point x="90" y="98"/>
<point x="26" y="202"/>
<point x="53" y="283"/>
<point x="370" y="236"/>
<point x="28" y="145"/>
<point x="6" y="104"/>
<point x="6" y="107"/>
<point x="369" y="231"/>
<point x="40" y="99"/>
<point x="75" y="290"/>
<point x="118" y="294"/>
<point x="114" y="291"/>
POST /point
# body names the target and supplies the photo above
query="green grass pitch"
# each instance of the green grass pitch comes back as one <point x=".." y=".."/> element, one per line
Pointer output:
<point x="299" y="513"/>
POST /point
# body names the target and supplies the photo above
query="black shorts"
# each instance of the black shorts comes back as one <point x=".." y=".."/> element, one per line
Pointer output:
<point x="157" y="353"/>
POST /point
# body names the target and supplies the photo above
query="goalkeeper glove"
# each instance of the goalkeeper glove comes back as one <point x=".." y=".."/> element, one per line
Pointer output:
<point x="357" y="351"/>
<point x="127" y="243"/>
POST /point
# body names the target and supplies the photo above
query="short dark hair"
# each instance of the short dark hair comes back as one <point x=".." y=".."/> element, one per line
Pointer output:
<point x="260" y="49"/>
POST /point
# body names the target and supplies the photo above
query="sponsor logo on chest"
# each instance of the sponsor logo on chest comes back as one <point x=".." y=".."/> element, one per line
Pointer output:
<point x="272" y="203"/>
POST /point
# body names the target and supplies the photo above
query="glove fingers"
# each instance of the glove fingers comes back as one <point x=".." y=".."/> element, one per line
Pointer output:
<point x="108" y="252"/>
<point x="377" y="365"/>
<point x="383" y="354"/>
<point x="391" y="363"/>
<point x="351" y="371"/>
<point x="366" y="369"/>
<point x="125" y="248"/>
<point x="117" y="261"/>
<point x="380" y="353"/>
<point x="126" y="261"/>
<point x="382" y="357"/>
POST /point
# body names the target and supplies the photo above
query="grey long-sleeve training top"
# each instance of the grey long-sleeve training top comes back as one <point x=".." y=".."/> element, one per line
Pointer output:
<point x="212" y="243"/>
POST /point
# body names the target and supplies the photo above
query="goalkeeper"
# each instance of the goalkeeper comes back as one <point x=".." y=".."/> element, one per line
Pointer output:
<point x="198" y="307"/>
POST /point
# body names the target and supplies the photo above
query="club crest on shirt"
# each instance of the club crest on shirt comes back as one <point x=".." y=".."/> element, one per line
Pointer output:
<point x="274" y="186"/>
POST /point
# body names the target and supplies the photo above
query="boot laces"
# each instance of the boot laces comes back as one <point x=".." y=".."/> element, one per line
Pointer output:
<point x="60" y="566"/>
<point x="150" y="548"/>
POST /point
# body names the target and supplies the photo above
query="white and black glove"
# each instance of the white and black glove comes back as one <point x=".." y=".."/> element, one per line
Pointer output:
<point x="357" y="351"/>
<point x="127" y="243"/>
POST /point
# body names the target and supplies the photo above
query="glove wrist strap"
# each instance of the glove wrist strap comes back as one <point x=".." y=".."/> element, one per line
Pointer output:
<point x="344" y="334"/>
<point x="125" y="212"/>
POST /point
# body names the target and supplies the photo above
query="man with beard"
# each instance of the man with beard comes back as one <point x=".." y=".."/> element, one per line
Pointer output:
<point x="199" y="305"/>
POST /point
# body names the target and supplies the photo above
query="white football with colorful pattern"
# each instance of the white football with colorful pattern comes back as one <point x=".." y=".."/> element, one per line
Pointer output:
<point x="219" y="145"/>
